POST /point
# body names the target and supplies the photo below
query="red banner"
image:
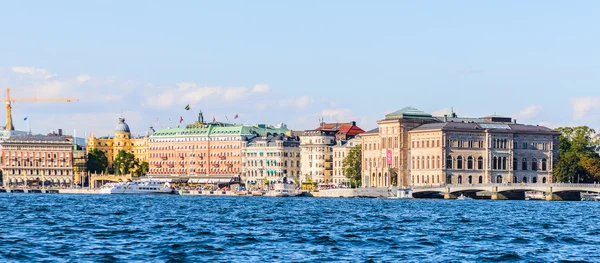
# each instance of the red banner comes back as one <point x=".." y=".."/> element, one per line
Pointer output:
<point x="388" y="157"/>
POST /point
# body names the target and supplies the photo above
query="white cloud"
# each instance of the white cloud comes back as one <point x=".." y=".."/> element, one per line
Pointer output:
<point x="333" y="113"/>
<point x="260" y="88"/>
<point x="583" y="106"/>
<point x="298" y="103"/>
<point x="36" y="72"/>
<point x="236" y="93"/>
<point x="529" y="112"/>
<point x="83" y="78"/>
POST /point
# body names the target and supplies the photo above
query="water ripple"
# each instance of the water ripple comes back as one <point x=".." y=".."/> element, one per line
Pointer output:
<point x="259" y="229"/>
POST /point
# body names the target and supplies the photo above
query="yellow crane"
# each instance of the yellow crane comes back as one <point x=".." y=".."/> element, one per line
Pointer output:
<point x="9" y="100"/>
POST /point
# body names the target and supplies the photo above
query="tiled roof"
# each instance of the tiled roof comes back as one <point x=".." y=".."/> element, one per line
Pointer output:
<point x="33" y="138"/>
<point x="483" y="125"/>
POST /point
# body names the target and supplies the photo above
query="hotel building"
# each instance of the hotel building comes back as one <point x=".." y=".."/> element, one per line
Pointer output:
<point x="270" y="158"/>
<point x="340" y="151"/>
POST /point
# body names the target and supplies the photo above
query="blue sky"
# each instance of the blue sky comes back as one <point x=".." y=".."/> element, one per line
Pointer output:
<point x="277" y="61"/>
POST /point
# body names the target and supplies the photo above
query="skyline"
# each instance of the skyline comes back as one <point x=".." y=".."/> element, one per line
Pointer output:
<point x="270" y="63"/>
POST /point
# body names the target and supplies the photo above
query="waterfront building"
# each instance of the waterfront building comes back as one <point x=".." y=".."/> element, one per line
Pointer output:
<point x="269" y="159"/>
<point x="316" y="156"/>
<point x="340" y="151"/>
<point x="32" y="160"/>
<point x="121" y="140"/>
<point x="203" y="152"/>
<point x="344" y="130"/>
<point x="386" y="148"/>
<point x="484" y="150"/>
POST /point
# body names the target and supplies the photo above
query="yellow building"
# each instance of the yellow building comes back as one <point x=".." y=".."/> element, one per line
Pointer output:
<point x="122" y="140"/>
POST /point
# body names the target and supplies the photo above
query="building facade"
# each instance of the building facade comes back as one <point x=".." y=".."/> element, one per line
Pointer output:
<point x="36" y="160"/>
<point x="203" y="152"/>
<point x="122" y="140"/>
<point x="488" y="150"/>
<point x="340" y="152"/>
<point x="268" y="159"/>
<point x="316" y="156"/>
<point x="386" y="149"/>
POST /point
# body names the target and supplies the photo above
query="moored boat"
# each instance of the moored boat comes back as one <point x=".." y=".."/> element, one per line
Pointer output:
<point x="463" y="197"/>
<point x="138" y="187"/>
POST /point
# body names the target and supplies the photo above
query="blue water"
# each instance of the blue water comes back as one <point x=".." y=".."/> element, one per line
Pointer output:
<point x="116" y="228"/>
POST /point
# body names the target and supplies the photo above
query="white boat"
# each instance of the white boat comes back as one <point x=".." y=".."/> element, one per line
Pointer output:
<point x="590" y="197"/>
<point x="137" y="187"/>
<point x="283" y="190"/>
<point x="462" y="197"/>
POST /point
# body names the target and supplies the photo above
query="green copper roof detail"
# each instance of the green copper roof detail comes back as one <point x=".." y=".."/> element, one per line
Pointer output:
<point x="408" y="113"/>
<point x="216" y="129"/>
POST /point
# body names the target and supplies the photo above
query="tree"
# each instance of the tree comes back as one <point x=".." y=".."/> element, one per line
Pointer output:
<point x="352" y="165"/>
<point x="578" y="162"/>
<point x="142" y="169"/>
<point x="125" y="162"/>
<point x="97" y="161"/>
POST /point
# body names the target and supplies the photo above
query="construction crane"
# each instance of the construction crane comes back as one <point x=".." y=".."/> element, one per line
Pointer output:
<point x="9" y="100"/>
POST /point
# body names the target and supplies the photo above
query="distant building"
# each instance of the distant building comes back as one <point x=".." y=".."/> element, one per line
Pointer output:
<point x="37" y="159"/>
<point x="340" y="152"/>
<point x="122" y="140"/>
<point x="452" y="150"/>
<point x="204" y="153"/>
<point x="316" y="155"/>
<point x="270" y="158"/>
<point x="344" y="130"/>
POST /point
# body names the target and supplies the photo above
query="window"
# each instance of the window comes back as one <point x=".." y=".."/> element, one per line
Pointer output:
<point x="480" y="163"/>
<point x="495" y="163"/>
<point x="459" y="162"/>
<point x="534" y="165"/>
<point x="524" y="164"/>
<point x="503" y="163"/>
<point x="524" y="146"/>
<point x="544" y="165"/>
<point x="460" y="179"/>
<point x="515" y="164"/>
<point x="470" y="163"/>
<point x="449" y="162"/>
<point x="481" y="179"/>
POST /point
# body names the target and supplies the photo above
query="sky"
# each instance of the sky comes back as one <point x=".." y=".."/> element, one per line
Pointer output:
<point x="296" y="62"/>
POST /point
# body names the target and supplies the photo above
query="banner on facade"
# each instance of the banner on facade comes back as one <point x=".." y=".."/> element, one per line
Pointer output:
<point x="388" y="157"/>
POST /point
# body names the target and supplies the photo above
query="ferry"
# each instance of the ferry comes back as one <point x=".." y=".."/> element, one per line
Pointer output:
<point x="138" y="187"/>
<point x="462" y="197"/>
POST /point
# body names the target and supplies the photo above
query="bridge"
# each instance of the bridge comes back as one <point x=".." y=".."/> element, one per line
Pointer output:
<point x="505" y="191"/>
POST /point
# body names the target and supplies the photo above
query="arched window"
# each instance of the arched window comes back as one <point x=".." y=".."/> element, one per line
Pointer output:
<point x="460" y="179"/>
<point x="544" y="165"/>
<point x="449" y="179"/>
<point x="495" y="163"/>
<point x="480" y="163"/>
<point x="515" y="179"/>
<point x="470" y="179"/>
<point x="481" y="179"/>
<point x="499" y="179"/>
<point x="449" y="162"/>
<point x="534" y="165"/>
<point x="534" y="180"/>
<point x="428" y="162"/>
<point x="544" y="180"/>
<point x="524" y="179"/>
<point x="503" y="163"/>
<point x="470" y="163"/>
<point x="524" y="164"/>
<point x="459" y="162"/>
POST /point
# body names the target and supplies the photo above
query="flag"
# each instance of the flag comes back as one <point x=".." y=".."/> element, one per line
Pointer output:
<point x="157" y="120"/>
<point x="235" y="117"/>
<point x="214" y="119"/>
<point x="226" y="118"/>
<point x="25" y="119"/>
<point x="187" y="107"/>
<point x="180" y="119"/>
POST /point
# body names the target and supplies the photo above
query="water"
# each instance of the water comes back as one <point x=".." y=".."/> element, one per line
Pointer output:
<point x="261" y="229"/>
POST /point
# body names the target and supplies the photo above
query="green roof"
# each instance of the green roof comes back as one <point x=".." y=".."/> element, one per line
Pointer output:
<point x="216" y="129"/>
<point x="408" y="113"/>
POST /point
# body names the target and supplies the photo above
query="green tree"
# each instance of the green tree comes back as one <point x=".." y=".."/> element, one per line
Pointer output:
<point x="125" y="162"/>
<point x="352" y="165"/>
<point x="142" y="169"/>
<point x="97" y="161"/>
<point x="578" y="162"/>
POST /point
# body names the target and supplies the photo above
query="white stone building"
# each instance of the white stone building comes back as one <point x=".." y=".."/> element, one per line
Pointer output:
<point x="316" y="156"/>
<point x="340" y="151"/>
<point x="270" y="158"/>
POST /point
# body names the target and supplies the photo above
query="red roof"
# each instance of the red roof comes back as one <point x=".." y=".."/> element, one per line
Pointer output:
<point x="346" y="129"/>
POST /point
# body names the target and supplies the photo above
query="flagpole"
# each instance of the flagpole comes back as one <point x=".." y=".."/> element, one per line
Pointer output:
<point x="28" y="128"/>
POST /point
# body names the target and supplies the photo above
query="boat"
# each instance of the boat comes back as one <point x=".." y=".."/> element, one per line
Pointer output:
<point x="462" y="197"/>
<point x="138" y="187"/>
<point x="284" y="188"/>
<point x="590" y="197"/>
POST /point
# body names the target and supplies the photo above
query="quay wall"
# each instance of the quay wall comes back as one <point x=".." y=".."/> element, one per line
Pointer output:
<point x="374" y="192"/>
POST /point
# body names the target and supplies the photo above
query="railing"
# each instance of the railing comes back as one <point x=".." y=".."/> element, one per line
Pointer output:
<point x="508" y="184"/>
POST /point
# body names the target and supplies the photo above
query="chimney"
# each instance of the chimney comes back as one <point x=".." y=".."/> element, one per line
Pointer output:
<point x="59" y="132"/>
<point x="515" y="121"/>
<point x="446" y="118"/>
<point x="353" y="123"/>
